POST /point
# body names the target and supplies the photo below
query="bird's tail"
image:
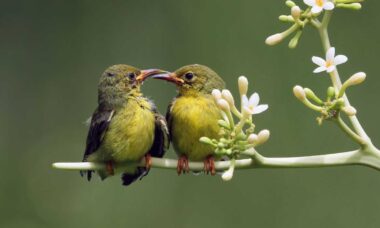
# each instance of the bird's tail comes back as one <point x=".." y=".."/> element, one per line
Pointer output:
<point x="129" y="178"/>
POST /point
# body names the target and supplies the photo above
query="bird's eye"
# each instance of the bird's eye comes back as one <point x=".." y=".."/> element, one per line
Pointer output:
<point x="132" y="75"/>
<point x="109" y="74"/>
<point x="189" y="76"/>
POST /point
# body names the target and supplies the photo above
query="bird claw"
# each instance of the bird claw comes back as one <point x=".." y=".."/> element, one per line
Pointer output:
<point x="148" y="161"/>
<point x="209" y="165"/>
<point x="110" y="168"/>
<point x="183" y="165"/>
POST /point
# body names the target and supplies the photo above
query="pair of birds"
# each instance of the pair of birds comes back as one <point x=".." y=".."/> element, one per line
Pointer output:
<point x="126" y="126"/>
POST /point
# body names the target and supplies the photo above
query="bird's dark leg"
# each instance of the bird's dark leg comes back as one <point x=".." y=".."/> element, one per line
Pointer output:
<point x="148" y="161"/>
<point x="209" y="165"/>
<point x="183" y="165"/>
<point x="109" y="168"/>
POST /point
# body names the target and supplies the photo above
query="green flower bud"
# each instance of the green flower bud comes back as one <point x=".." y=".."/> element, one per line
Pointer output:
<point x="294" y="41"/>
<point x="311" y="95"/>
<point x="224" y="124"/>
<point x="206" y="141"/>
<point x="330" y="93"/>
<point x="286" y="18"/>
<point x="351" y="6"/>
<point x="290" y="3"/>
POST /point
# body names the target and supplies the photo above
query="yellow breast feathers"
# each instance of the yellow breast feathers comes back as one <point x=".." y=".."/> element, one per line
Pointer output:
<point x="192" y="118"/>
<point x="131" y="132"/>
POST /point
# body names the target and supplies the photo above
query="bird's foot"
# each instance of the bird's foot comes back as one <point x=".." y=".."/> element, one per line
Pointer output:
<point x="148" y="161"/>
<point x="209" y="165"/>
<point x="183" y="165"/>
<point x="109" y="168"/>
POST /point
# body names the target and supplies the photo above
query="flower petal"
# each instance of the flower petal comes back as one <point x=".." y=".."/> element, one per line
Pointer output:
<point x="318" y="60"/>
<point x="254" y="99"/>
<point x="247" y="110"/>
<point x="339" y="59"/>
<point x="309" y="2"/>
<point x="330" y="54"/>
<point x="260" y="108"/>
<point x="330" y="69"/>
<point x="244" y="101"/>
<point x="320" y="69"/>
<point x="316" y="9"/>
<point x="328" y="6"/>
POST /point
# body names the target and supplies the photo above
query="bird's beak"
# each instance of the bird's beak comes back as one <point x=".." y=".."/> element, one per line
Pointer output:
<point x="170" y="77"/>
<point x="148" y="73"/>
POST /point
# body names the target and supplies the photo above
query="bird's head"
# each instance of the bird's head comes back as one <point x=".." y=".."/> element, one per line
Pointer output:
<point x="194" y="79"/>
<point x="117" y="81"/>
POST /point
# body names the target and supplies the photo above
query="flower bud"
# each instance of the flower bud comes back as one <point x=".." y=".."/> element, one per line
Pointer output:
<point x="356" y="79"/>
<point x="349" y="110"/>
<point x="243" y="85"/>
<point x="226" y="94"/>
<point x="311" y="95"/>
<point x="274" y="39"/>
<point x="339" y="102"/>
<point x="206" y="140"/>
<point x="224" y="124"/>
<point x="299" y="92"/>
<point x="290" y="3"/>
<point x="294" y="41"/>
<point x="223" y="104"/>
<point x="216" y="94"/>
<point x="352" y="6"/>
<point x="263" y="136"/>
<point x="286" y="18"/>
<point x="252" y="139"/>
<point x="296" y="12"/>
<point x="330" y="92"/>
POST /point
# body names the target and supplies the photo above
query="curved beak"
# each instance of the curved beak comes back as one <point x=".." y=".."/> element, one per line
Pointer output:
<point x="148" y="73"/>
<point x="170" y="77"/>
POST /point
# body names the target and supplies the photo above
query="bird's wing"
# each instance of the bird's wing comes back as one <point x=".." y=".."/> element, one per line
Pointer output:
<point x="100" y="121"/>
<point x="161" y="137"/>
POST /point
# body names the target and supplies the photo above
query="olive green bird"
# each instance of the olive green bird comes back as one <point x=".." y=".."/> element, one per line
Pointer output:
<point x="125" y="126"/>
<point x="193" y="113"/>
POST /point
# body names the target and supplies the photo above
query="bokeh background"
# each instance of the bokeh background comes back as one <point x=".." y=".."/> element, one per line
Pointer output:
<point x="53" y="52"/>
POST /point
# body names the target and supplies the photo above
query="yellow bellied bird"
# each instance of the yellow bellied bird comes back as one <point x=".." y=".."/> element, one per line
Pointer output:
<point x="193" y="113"/>
<point x="125" y="126"/>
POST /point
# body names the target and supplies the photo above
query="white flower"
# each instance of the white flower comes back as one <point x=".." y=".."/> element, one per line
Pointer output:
<point x="251" y="106"/>
<point x="319" y="5"/>
<point x="330" y="63"/>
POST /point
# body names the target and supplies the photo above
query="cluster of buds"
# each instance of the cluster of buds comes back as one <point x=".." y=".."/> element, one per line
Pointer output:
<point x="301" y="17"/>
<point x="334" y="103"/>
<point x="237" y="138"/>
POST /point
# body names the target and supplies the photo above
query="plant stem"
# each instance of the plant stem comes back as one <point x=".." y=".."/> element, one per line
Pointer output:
<point x="349" y="132"/>
<point x="323" y="32"/>
<point x="367" y="157"/>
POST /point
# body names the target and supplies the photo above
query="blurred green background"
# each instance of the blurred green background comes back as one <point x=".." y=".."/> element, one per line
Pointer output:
<point x="53" y="52"/>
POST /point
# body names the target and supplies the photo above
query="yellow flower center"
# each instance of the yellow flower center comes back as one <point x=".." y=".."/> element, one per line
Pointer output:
<point x="329" y="63"/>
<point x="319" y="2"/>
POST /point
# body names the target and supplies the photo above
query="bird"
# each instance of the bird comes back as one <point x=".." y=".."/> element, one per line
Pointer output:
<point x="192" y="114"/>
<point x="125" y="126"/>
